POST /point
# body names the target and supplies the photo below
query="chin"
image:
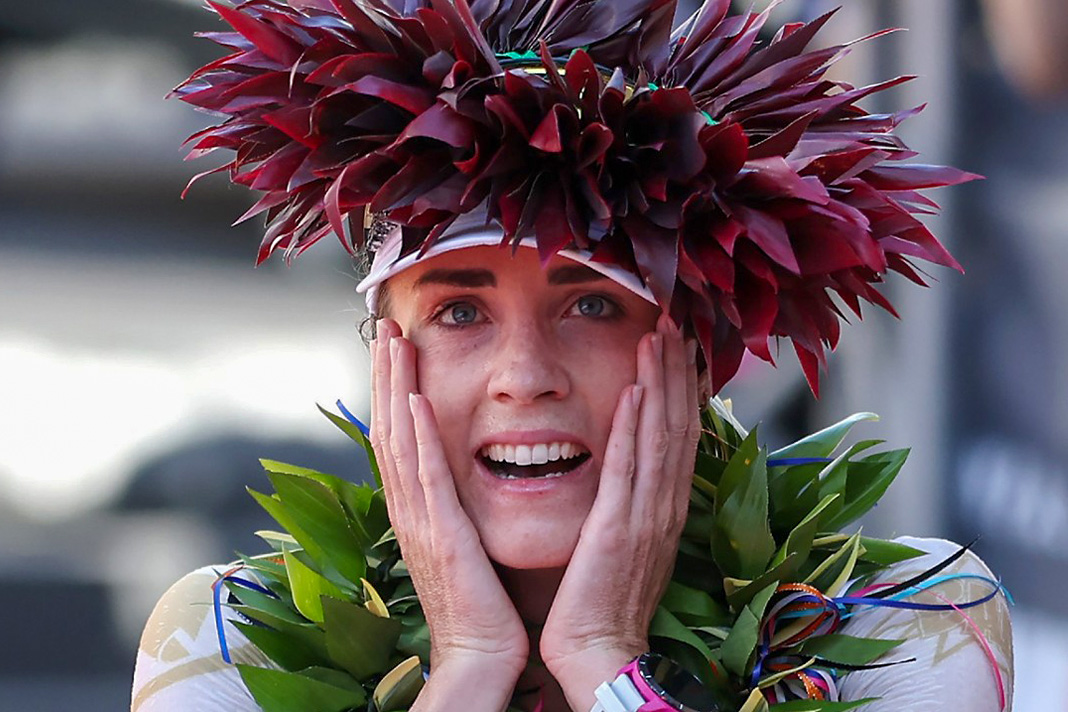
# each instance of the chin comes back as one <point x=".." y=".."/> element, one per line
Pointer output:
<point x="537" y="545"/>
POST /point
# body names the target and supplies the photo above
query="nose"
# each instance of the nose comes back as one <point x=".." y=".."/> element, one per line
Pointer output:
<point x="526" y="367"/>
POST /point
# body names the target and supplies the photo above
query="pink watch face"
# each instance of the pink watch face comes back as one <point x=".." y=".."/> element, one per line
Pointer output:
<point x="667" y="686"/>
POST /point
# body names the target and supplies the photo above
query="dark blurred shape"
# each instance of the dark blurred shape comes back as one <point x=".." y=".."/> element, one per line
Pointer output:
<point x="1009" y="385"/>
<point x="1030" y="38"/>
<point x="210" y="478"/>
<point x="173" y="22"/>
<point x="73" y="635"/>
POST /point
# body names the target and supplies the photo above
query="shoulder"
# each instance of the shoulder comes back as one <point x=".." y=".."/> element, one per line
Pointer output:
<point x="179" y="664"/>
<point x="961" y="655"/>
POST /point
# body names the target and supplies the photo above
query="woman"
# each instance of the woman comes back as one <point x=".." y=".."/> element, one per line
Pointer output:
<point x="581" y="224"/>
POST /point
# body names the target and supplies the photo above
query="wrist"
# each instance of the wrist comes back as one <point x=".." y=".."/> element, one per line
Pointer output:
<point x="580" y="674"/>
<point x="467" y="682"/>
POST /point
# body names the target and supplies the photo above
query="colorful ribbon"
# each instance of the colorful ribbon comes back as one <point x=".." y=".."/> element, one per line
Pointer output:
<point x="799" y="612"/>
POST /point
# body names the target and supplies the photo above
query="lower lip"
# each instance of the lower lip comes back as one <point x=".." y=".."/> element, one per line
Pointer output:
<point x="536" y="485"/>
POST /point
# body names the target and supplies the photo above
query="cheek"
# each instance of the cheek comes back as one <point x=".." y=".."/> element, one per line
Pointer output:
<point x="450" y="377"/>
<point x="604" y="367"/>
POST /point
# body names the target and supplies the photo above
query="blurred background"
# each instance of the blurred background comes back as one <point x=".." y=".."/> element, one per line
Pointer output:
<point x="145" y="366"/>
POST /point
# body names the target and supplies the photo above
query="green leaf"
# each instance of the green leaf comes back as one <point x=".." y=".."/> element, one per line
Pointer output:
<point x="885" y="553"/>
<point x="847" y="649"/>
<point x="708" y="470"/>
<point x="755" y="702"/>
<point x="307" y="633"/>
<point x="400" y="686"/>
<point x="281" y="691"/>
<point x="284" y="468"/>
<point x="867" y="481"/>
<point x="277" y="608"/>
<point x="666" y="625"/>
<point x="359" y="641"/>
<point x="727" y="425"/>
<point x="699" y="525"/>
<point x="353" y="432"/>
<point x="316" y="511"/>
<point x="836" y="570"/>
<point x="799" y="541"/>
<point x="279" y="541"/>
<point x="824" y="442"/>
<point x="738" y="648"/>
<point x="283" y="649"/>
<point x="415" y="640"/>
<point x="281" y="514"/>
<point x="741" y="542"/>
<point x="356" y="499"/>
<point x="309" y="588"/>
<point x="794" y="492"/>
<point x="740" y="593"/>
<point x="693" y="606"/>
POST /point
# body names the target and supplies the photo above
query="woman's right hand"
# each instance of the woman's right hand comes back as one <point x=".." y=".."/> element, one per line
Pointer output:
<point x="474" y="627"/>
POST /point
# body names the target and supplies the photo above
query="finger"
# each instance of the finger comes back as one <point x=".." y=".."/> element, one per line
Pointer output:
<point x="681" y="411"/>
<point x="653" y="439"/>
<point x="676" y="388"/>
<point x="434" y="473"/>
<point x="617" y="472"/>
<point x="380" y="419"/>
<point x="380" y="380"/>
<point x="402" y="447"/>
<point x="693" y="429"/>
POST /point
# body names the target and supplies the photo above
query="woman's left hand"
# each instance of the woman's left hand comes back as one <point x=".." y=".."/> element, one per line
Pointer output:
<point x="626" y="550"/>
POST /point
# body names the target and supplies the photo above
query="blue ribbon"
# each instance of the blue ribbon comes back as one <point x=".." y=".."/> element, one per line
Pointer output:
<point x="216" y="602"/>
<point x="353" y="419"/>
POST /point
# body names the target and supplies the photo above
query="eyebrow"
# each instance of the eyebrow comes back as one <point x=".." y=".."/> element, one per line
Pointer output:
<point x="477" y="278"/>
<point x="470" y="278"/>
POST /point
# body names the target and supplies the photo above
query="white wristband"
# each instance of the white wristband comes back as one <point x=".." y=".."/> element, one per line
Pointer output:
<point x="620" y="695"/>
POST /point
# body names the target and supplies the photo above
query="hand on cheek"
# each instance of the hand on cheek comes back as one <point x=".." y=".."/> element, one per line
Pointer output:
<point x="626" y="550"/>
<point x="474" y="627"/>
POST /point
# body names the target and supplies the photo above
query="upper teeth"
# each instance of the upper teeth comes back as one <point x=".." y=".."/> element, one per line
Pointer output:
<point x="531" y="454"/>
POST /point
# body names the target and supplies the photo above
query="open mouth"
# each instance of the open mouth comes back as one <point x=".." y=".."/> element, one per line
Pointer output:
<point x="541" y="461"/>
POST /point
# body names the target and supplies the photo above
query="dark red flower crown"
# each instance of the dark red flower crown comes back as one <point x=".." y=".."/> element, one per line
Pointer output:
<point x="743" y="186"/>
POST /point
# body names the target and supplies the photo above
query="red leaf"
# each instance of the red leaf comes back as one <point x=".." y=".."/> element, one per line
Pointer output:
<point x="548" y="135"/>
<point x="726" y="149"/>
<point x="656" y="252"/>
<point x="270" y="41"/>
<point x="915" y="177"/>
<point x="783" y="142"/>
<point x="441" y="123"/>
<point x="811" y="366"/>
<point x="413" y="99"/>
<point x="769" y="234"/>
<point x="759" y="306"/>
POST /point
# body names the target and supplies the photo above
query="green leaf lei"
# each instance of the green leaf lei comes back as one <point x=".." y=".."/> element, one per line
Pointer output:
<point x="335" y="609"/>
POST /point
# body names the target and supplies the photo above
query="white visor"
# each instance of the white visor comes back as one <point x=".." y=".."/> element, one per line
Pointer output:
<point x="471" y="230"/>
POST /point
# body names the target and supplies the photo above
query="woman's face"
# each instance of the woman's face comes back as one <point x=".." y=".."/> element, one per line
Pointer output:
<point x="524" y="367"/>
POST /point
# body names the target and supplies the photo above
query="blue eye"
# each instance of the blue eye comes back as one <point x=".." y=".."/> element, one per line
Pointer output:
<point x="459" y="314"/>
<point x="594" y="306"/>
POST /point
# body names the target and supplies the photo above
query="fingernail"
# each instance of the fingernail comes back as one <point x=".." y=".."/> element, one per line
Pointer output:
<point x="411" y="401"/>
<point x="691" y="352"/>
<point x="657" y="343"/>
<point x="394" y="346"/>
<point x="668" y="324"/>
<point x="636" y="393"/>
